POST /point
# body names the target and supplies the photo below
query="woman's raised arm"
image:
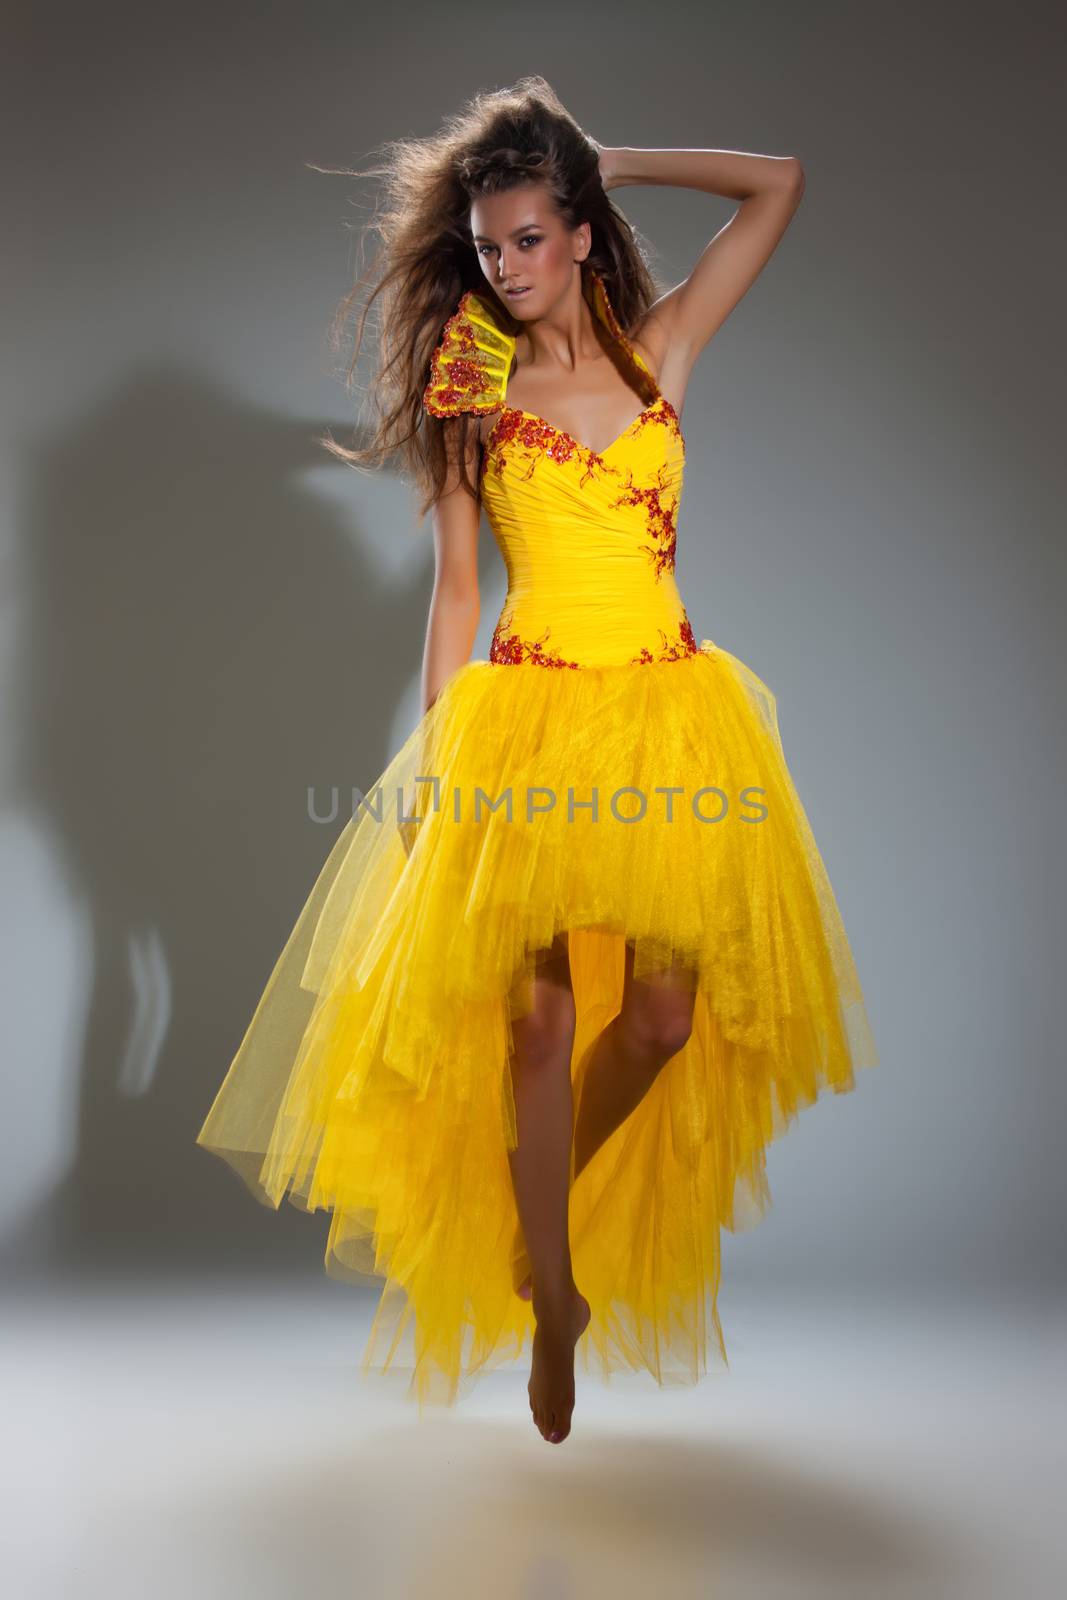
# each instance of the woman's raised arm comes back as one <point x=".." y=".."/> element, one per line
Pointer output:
<point x="680" y="323"/>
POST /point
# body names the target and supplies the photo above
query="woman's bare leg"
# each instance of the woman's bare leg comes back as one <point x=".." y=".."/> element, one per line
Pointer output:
<point x="540" y="1169"/>
<point x="653" y="1024"/>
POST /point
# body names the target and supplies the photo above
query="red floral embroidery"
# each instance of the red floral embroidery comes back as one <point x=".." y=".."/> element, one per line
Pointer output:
<point x="541" y="438"/>
<point x="510" y="650"/>
<point x="663" y="412"/>
<point x="686" y="646"/>
<point x="661" y="515"/>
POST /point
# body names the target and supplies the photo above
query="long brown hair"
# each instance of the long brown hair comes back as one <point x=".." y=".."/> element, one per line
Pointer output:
<point x="426" y="260"/>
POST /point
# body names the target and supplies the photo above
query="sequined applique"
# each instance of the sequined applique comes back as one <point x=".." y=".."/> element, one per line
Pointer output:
<point x="511" y="650"/>
<point x="541" y="438"/>
<point x="526" y="428"/>
<point x="685" y="646"/>
<point x="660" y="509"/>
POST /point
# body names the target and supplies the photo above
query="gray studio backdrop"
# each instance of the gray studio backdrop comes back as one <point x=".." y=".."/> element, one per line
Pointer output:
<point x="203" y="615"/>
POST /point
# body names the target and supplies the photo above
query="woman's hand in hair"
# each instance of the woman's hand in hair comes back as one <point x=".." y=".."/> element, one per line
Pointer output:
<point x="608" y="173"/>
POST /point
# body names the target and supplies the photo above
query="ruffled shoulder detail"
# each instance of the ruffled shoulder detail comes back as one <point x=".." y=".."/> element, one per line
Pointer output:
<point x="470" y="367"/>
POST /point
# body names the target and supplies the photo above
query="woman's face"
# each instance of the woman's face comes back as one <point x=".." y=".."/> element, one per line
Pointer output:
<point x="523" y="244"/>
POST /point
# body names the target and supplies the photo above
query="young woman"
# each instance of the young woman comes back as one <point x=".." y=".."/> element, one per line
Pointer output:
<point x="576" y="961"/>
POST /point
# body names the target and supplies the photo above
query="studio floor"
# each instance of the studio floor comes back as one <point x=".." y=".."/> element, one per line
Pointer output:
<point x="164" y="1442"/>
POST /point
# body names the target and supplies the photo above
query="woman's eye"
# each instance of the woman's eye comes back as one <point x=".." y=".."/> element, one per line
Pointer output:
<point x="529" y="238"/>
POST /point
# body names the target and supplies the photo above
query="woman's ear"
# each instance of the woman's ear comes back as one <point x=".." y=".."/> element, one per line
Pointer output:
<point x="583" y="241"/>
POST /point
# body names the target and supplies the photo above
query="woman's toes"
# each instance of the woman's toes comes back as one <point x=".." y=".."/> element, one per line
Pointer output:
<point x="559" y="1427"/>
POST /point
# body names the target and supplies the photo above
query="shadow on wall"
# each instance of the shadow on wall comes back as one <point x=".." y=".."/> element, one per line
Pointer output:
<point x="205" y="639"/>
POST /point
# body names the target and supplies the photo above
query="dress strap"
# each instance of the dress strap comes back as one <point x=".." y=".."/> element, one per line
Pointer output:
<point x="606" y="312"/>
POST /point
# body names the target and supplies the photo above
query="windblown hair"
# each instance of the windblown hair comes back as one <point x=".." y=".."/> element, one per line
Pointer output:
<point x="427" y="259"/>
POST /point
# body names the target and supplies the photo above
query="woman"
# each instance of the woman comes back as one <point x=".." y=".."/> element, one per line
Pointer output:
<point x="530" y="1042"/>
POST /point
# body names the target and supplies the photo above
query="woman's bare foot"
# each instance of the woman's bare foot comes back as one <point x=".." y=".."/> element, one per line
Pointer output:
<point x="551" y="1385"/>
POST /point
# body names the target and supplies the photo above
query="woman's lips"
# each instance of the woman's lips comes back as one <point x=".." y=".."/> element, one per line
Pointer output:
<point x="516" y="294"/>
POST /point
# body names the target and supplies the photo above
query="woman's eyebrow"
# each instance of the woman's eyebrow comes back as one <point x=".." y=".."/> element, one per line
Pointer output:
<point x="526" y="228"/>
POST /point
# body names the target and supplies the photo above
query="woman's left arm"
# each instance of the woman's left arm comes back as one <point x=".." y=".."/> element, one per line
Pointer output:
<point x="679" y="324"/>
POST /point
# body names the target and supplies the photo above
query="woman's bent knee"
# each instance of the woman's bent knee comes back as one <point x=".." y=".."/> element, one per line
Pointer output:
<point x="659" y="1027"/>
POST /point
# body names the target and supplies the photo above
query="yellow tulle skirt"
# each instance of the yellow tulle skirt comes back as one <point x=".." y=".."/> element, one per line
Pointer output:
<point x="375" y="1078"/>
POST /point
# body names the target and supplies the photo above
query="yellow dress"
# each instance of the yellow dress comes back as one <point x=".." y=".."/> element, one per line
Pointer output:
<point x="606" y="774"/>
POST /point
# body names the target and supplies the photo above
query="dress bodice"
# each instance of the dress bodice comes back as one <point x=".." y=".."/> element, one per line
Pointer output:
<point x="588" y="538"/>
